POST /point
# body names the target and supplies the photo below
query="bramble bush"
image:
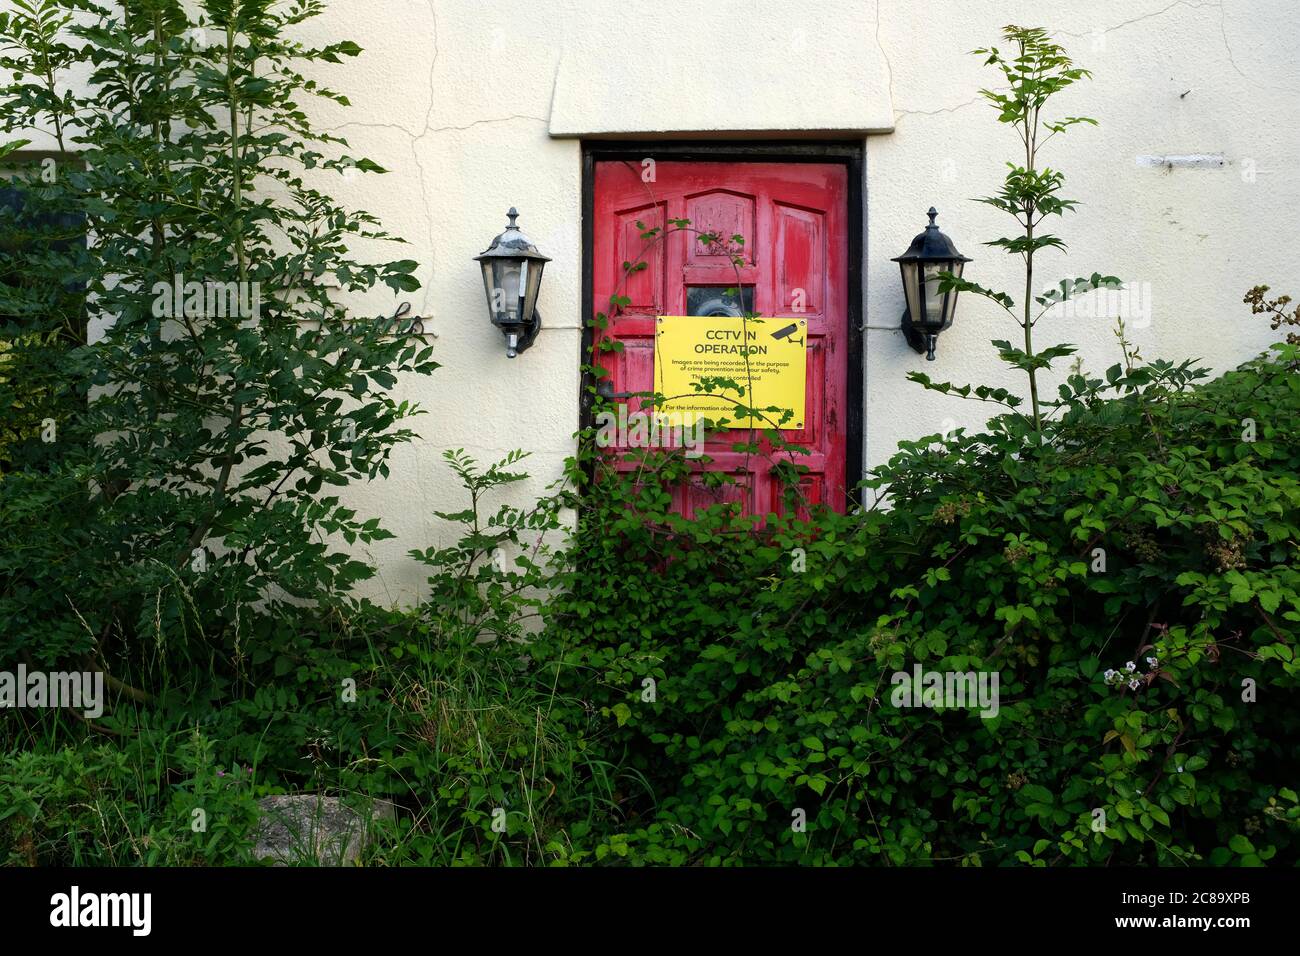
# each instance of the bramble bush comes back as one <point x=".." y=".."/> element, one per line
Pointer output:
<point x="1157" y="522"/>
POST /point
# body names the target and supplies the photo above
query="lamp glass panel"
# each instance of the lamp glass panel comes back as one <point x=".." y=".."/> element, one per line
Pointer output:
<point x="911" y="289"/>
<point x="531" y="287"/>
<point x="505" y="290"/>
<point x="950" y="307"/>
<point x="933" y="297"/>
<point x="488" y="283"/>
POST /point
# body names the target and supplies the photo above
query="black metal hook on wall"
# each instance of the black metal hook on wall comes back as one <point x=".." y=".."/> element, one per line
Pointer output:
<point x="416" y="326"/>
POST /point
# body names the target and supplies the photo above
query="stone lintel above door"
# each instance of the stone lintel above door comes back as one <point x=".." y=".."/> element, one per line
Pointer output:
<point x="737" y="67"/>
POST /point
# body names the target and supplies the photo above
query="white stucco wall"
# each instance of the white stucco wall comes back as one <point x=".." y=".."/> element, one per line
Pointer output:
<point x="1170" y="79"/>
<point x="477" y="105"/>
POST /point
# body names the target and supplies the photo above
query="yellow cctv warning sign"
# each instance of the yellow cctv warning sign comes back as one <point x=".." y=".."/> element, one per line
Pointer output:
<point x="767" y="357"/>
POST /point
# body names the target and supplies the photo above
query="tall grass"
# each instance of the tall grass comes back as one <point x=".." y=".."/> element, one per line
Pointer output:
<point x="463" y="738"/>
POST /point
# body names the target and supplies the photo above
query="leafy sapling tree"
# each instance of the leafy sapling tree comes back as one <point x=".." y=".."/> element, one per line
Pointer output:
<point x="485" y="585"/>
<point x="226" y="391"/>
<point x="1035" y="69"/>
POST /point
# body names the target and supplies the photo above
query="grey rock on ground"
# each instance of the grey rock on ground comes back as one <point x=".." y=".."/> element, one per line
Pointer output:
<point x="315" y="830"/>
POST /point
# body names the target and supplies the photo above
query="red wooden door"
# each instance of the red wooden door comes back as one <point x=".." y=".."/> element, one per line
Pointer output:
<point x="794" y="220"/>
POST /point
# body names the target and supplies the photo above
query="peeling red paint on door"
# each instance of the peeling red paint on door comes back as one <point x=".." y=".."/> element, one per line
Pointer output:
<point x="794" y="219"/>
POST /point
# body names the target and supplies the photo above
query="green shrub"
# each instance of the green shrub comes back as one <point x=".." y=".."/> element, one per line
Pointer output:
<point x="155" y="800"/>
<point x="772" y="670"/>
<point x="1157" y="519"/>
<point x="194" y="443"/>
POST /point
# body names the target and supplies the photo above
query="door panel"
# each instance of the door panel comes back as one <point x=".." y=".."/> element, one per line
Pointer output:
<point x="794" y="219"/>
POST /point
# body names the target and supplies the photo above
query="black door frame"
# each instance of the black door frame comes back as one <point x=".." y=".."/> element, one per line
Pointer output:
<point x="849" y="153"/>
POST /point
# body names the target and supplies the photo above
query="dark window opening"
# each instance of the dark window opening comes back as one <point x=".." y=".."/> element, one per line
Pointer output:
<point x="719" y="300"/>
<point x="42" y="307"/>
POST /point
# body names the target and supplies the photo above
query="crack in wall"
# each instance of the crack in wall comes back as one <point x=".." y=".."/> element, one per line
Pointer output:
<point x="416" y="137"/>
<point x="433" y="66"/>
<point x="899" y="114"/>
<point x="1223" y="27"/>
<point x="889" y="65"/>
<point x="1223" y="31"/>
<point x="1145" y="16"/>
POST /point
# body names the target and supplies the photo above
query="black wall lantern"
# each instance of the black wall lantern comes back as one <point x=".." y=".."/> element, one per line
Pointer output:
<point x="929" y="311"/>
<point x="512" y="274"/>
